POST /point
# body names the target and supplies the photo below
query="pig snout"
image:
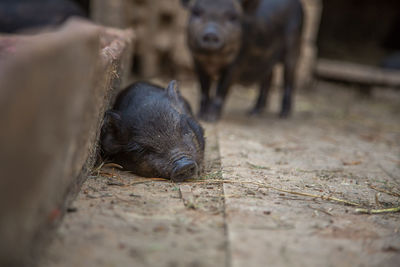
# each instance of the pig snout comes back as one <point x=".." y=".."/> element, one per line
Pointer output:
<point x="184" y="168"/>
<point x="211" y="39"/>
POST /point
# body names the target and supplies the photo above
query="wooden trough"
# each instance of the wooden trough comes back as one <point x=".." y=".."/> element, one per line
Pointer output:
<point x="54" y="89"/>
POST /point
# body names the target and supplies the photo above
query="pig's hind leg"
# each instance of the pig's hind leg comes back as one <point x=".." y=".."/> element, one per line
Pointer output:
<point x="291" y="55"/>
<point x="289" y="63"/>
<point x="205" y="84"/>
<point x="262" y="95"/>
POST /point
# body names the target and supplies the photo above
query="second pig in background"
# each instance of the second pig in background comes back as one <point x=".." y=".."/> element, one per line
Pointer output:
<point x="241" y="41"/>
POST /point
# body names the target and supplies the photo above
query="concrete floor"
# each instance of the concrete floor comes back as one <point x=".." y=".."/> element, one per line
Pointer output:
<point x="337" y="144"/>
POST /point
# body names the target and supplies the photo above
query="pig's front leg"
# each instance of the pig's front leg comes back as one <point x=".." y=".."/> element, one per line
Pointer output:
<point x="217" y="104"/>
<point x="205" y="84"/>
<point x="263" y="95"/>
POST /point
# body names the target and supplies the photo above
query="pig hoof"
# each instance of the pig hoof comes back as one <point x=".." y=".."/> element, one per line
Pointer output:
<point x="254" y="112"/>
<point x="208" y="116"/>
<point x="202" y="115"/>
<point x="213" y="113"/>
<point x="211" y="117"/>
<point x="284" y="114"/>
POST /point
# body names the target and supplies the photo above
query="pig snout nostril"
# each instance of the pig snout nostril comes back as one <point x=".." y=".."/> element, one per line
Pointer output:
<point x="210" y="38"/>
<point x="184" y="169"/>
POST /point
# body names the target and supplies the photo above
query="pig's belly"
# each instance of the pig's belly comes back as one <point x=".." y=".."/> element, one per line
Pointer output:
<point x="253" y="72"/>
<point x="254" y="67"/>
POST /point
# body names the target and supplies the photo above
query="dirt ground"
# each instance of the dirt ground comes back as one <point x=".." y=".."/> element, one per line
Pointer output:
<point x="273" y="203"/>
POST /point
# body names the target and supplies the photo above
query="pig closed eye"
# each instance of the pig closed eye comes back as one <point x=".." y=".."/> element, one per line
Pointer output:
<point x="138" y="149"/>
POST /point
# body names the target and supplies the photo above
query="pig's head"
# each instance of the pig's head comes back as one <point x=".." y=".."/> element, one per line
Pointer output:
<point x="214" y="25"/>
<point x="158" y="139"/>
<point x="214" y="30"/>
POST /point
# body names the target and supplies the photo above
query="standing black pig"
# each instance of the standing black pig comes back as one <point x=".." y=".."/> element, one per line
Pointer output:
<point x="151" y="132"/>
<point x="241" y="41"/>
<point x="19" y="15"/>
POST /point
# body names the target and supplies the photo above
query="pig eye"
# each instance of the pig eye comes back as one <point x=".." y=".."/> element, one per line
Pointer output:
<point x="139" y="148"/>
<point x="232" y="17"/>
<point x="197" y="12"/>
<point x="135" y="148"/>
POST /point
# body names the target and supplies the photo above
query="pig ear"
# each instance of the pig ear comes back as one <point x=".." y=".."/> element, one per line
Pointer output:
<point x="186" y="3"/>
<point x="249" y="5"/>
<point x="173" y="91"/>
<point x="112" y="132"/>
<point x="112" y="119"/>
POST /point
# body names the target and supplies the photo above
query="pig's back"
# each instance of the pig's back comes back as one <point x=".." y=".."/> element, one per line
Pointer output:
<point x="266" y="33"/>
<point x="141" y="97"/>
<point x="137" y="95"/>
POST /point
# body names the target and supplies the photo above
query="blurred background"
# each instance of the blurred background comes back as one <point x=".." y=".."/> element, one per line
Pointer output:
<point x="362" y="32"/>
<point x="365" y="32"/>
<point x="59" y="74"/>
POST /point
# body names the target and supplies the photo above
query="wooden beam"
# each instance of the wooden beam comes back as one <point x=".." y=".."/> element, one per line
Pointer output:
<point x="356" y="73"/>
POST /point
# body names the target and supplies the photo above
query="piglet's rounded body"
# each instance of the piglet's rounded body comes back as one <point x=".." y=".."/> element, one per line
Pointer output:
<point x="151" y="131"/>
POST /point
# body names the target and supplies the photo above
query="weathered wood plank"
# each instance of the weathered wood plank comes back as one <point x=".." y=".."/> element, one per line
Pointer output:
<point x="356" y="73"/>
<point x="54" y="90"/>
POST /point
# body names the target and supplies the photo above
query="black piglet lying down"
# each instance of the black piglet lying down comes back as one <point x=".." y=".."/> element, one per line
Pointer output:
<point x="151" y="131"/>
